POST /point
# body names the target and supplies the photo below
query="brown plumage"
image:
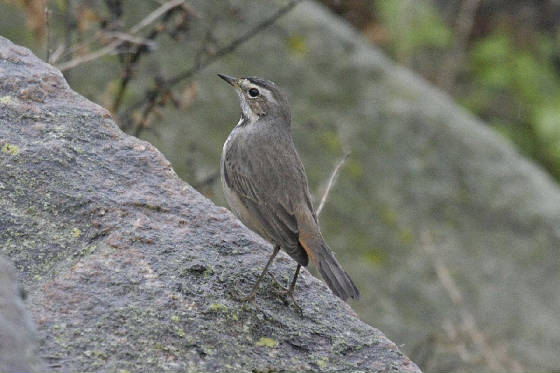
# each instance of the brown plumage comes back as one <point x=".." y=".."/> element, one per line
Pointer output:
<point x="266" y="186"/>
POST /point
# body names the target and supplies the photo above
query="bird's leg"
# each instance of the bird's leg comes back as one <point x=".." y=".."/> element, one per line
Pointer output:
<point x="290" y="292"/>
<point x="293" y="283"/>
<point x="251" y="295"/>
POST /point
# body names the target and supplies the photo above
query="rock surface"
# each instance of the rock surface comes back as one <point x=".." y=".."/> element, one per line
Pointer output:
<point x="129" y="268"/>
<point x="428" y="190"/>
<point x="17" y="347"/>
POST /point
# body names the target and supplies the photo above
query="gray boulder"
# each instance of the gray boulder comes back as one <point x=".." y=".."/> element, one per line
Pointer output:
<point x="129" y="268"/>
<point x="18" y="351"/>
<point x="453" y="236"/>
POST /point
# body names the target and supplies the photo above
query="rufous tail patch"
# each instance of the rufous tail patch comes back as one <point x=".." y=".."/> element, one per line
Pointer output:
<point x="309" y="252"/>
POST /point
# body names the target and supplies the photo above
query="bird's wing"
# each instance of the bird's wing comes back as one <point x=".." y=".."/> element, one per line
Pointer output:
<point x="271" y="187"/>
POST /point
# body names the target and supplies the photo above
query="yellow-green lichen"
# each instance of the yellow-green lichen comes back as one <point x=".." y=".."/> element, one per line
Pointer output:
<point x="208" y="272"/>
<point x="322" y="362"/>
<point x="11" y="149"/>
<point x="5" y="100"/>
<point x="88" y="250"/>
<point x="181" y="332"/>
<point x="218" y="307"/>
<point x="76" y="232"/>
<point x="267" y="342"/>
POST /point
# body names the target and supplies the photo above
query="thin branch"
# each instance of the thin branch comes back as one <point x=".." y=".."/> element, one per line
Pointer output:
<point x="152" y="98"/>
<point x="48" y="41"/>
<point x="125" y="37"/>
<point x="332" y="181"/>
<point x="136" y="55"/>
<point x="111" y="47"/>
<point x="55" y="55"/>
<point x="204" y="44"/>
<point x="69" y="24"/>
<point x="463" y="28"/>
<point x="234" y="44"/>
<point x="77" y="46"/>
<point x="156" y="14"/>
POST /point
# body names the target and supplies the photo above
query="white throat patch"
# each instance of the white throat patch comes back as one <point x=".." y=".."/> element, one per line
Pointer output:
<point x="247" y="112"/>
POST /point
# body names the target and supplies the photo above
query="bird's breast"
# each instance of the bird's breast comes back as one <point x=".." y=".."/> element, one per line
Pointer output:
<point x="233" y="200"/>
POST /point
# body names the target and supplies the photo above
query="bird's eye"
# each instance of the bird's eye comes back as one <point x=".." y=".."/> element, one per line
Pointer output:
<point x="253" y="92"/>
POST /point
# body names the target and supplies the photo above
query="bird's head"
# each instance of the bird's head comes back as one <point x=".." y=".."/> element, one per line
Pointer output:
<point x="259" y="98"/>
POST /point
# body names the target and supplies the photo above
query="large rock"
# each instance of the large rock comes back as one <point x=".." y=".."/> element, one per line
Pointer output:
<point x="424" y="177"/>
<point x="130" y="268"/>
<point x="17" y="347"/>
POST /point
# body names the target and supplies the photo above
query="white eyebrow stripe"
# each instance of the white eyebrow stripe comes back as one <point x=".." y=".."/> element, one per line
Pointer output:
<point x="267" y="94"/>
<point x="263" y="91"/>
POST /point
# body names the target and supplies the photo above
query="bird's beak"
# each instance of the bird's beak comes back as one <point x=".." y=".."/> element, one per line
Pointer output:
<point x="230" y="79"/>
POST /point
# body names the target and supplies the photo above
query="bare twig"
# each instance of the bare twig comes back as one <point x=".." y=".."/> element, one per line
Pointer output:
<point x="204" y="44"/>
<point x="112" y="47"/>
<point x="332" y="181"/>
<point x="163" y="9"/>
<point x="125" y="37"/>
<point x="48" y="41"/>
<point x="463" y="28"/>
<point x="235" y="43"/>
<point x="55" y="55"/>
<point x="77" y="46"/>
<point x="153" y="97"/>
<point x="68" y="26"/>
<point x="136" y="55"/>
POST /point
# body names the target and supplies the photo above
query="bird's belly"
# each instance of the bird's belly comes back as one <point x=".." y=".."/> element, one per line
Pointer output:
<point x="239" y="210"/>
<point x="235" y="204"/>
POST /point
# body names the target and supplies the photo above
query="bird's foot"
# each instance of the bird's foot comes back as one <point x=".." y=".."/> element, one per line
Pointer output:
<point x="291" y="295"/>
<point x="283" y="290"/>
<point x="243" y="298"/>
<point x="285" y="293"/>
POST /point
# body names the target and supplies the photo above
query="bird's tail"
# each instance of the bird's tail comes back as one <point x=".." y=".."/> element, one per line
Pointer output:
<point x="336" y="278"/>
<point x="312" y="241"/>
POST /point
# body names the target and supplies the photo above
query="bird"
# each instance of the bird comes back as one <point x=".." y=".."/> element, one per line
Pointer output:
<point x="266" y="186"/>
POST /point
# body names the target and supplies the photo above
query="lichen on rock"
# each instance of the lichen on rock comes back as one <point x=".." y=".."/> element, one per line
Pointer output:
<point x="128" y="268"/>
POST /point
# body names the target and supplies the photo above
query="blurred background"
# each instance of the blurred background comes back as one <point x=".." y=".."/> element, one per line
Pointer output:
<point x="445" y="209"/>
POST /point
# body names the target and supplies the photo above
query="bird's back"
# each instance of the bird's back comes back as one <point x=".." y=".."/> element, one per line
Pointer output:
<point x="264" y="183"/>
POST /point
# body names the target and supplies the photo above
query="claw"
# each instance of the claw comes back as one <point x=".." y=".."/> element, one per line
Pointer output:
<point x="241" y="298"/>
<point x="284" y="290"/>
<point x="295" y="303"/>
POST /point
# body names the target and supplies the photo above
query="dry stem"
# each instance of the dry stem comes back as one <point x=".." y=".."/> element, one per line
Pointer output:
<point x="332" y="181"/>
